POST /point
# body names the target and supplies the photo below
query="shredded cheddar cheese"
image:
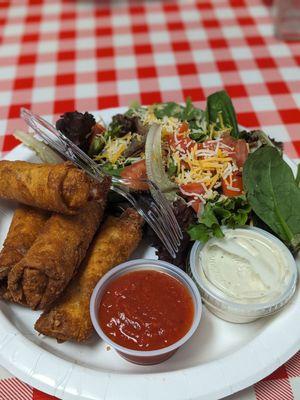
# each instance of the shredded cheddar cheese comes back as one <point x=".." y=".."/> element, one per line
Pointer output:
<point x="206" y="163"/>
<point x="114" y="148"/>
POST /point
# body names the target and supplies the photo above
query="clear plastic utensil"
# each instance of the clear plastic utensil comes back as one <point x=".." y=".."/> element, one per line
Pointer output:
<point x="287" y="19"/>
<point x="2" y="212"/>
<point x="157" y="212"/>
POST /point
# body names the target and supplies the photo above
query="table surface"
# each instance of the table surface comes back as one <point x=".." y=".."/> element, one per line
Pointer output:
<point x="61" y="55"/>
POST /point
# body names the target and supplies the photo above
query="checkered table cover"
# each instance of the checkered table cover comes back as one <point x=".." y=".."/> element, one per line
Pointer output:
<point x="61" y="55"/>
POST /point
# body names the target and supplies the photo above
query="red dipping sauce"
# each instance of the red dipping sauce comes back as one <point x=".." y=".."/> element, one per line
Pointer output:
<point x="146" y="310"/>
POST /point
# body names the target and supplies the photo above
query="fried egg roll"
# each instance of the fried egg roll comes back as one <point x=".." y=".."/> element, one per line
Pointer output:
<point x="69" y="318"/>
<point x="25" y="226"/>
<point x="53" y="259"/>
<point x="61" y="188"/>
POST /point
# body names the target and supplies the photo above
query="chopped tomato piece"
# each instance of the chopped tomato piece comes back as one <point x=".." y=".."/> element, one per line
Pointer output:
<point x="135" y="172"/>
<point x="184" y="164"/>
<point x="235" y="189"/>
<point x="181" y="139"/>
<point x="239" y="148"/>
<point x="192" y="189"/>
<point x="180" y="142"/>
<point x="97" y="130"/>
<point x="229" y="141"/>
<point x="197" y="205"/>
<point x="241" y="152"/>
<point x="206" y="145"/>
<point x="184" y="127"/>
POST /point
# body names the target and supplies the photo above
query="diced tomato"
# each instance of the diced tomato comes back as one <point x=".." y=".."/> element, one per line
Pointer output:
<point x="184" y="164"/>
<point x="181" y="139"/>
<point x="189" y="189"/>
<point x="182" y="142"/>
<point x="197" y="205"/>
<point x="228" y="140"/>
<point x="239" y="147"/>
<point x="171" y="141"/>
<point x="97" y="129"/>
<point x="192" y="188"/>
<point x="241" y="152"/>
<point x="237" y="183"/>
<point x="184" y="127"/>
<point x="135" y="172"/>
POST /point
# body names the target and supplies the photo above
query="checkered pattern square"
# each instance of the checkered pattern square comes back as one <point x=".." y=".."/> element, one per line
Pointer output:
<point x="56" y="56"/>
<point x="60" y="55"/>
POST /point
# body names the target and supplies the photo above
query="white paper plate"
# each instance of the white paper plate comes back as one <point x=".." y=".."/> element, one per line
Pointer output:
<point x="220" y="359"/>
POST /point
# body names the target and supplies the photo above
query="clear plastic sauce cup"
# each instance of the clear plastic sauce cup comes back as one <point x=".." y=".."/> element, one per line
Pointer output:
<point x="231" y="309"/>
<point x="152" y="356"/>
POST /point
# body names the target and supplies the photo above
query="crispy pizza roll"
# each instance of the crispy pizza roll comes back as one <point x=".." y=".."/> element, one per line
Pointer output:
<point x="69" y="318"/>
<point x="53" y="259"/>
<point x="61" y="188"/>
<point x="25" y="226"/>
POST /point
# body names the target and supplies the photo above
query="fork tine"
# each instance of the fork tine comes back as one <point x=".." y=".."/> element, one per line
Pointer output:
<point x="173" y="228"/>
<point x="166" y="229"/>
<point x="160" y="233"/>
<point x="31" y="122"/>
<point x="3" y="212"/>
<point x="166" y="226"/>
<point x="166" y="206"/>
<point x="76" y="162"/>
<point x="151" y="219"/>
<point x="31" y="117"/>
<point x="167" y="209"/>
<point x="169" y="214"/>
<point x="80" y="153"/>
<point x="84" y="158"/>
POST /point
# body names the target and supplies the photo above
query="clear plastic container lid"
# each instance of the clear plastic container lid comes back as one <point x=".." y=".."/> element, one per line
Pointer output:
<point x="234" y="311"/>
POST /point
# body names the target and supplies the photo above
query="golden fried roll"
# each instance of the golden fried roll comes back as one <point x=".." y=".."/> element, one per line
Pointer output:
<point x="61" y="188"/>
<point x="25" y="226"/>
<point x="53" y="259"/>
<point x="69" y="318"/>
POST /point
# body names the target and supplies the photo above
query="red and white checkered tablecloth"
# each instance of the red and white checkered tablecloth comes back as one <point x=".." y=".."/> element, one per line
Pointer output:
<point x="60" y="55"/>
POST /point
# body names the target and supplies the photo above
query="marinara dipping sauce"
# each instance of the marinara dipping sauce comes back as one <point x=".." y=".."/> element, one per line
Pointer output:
<point x="146" y="311"/>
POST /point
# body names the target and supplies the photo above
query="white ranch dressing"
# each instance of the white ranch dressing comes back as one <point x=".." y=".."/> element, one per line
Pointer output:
<point x="244" y="267"/>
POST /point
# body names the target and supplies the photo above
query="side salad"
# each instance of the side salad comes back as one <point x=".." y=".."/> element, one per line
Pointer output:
<point x="214" y="173"/>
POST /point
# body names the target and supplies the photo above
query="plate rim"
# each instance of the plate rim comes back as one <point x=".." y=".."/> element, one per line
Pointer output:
<point x="230" y="379"/>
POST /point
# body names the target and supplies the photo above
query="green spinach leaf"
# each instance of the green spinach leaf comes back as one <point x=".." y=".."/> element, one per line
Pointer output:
<point x="200" y="232"/>
<point x="273" y="193"/>
<point x="196" y="117"/>
<point x="219" y="104"/>
<point x="198" y="136"/>
<point x="98" y="143"/>
<point x="189" y="112"/>
<point x="298" y="176"/>
<point x="112" y="170"/>
<point x="169" y="109"/>
<point x="232" y="212"/>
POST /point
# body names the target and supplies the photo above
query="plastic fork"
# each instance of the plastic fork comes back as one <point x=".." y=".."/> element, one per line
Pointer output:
<point x="2" y="212"/>
<point x="156" y="210"/>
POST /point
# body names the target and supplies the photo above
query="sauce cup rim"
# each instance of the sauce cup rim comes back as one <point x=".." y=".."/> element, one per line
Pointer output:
<point x="145" y="264"/>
